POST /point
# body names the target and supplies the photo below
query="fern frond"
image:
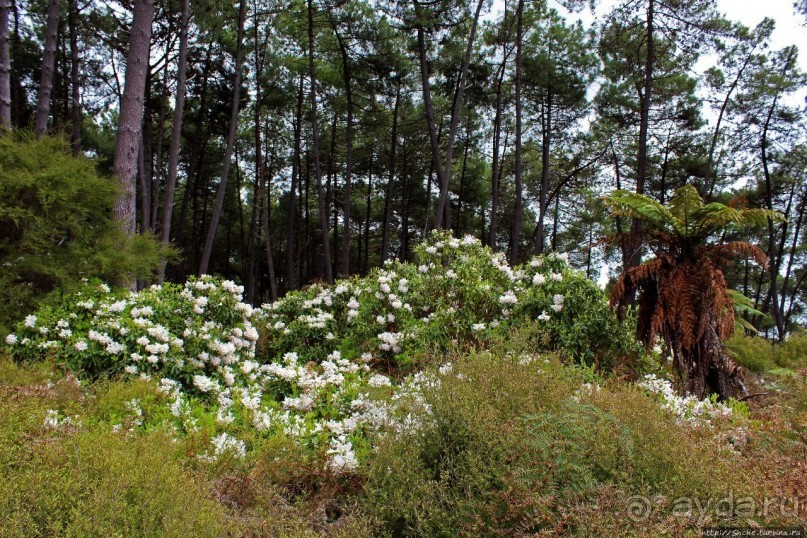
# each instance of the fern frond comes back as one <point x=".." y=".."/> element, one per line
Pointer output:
<point x="630" y="204"/>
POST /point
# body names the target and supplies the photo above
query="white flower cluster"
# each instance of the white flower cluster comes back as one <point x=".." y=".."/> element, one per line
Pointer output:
<point x="686" y="408"/>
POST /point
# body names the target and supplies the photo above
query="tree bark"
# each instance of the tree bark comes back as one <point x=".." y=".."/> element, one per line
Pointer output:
<point x="347" y="76"/>
<point x="48" y="67"/>
<point x="323" y="212"/>
<point x="228" y="151"/>
<point x="443" y="207"/>
<point x="517" y="211"/>
<point x="176" y="133"/>
<point x="130" y="122"/>
<point x="76" y="116"/>
<point x="427" y="103"/>
<point x="545" y="150"/>
<point x="391" y="178"/>
<point x="5" y="68"/>
<point x="291" y="225"/>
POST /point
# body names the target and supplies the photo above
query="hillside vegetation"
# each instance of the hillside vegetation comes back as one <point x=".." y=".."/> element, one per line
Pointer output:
<point x="451" y="396"/>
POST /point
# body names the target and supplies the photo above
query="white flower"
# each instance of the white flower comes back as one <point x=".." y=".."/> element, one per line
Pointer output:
<point x="378" y="380"/>
<point x="130" y="369"/>
<point x="431" y="250"/>
<point x="478" y="327"/>
<point x="204" y="383"/>
<point x="342" y="456"/>
<point x="226" y="443"/>
<point x="508" y="298"/>
<point x="544" y="316"/>
<point x="118" y="306"/>
<point x="538" y="279"/>
<point x="30" y="321"/>
<point x="403" y="285"/>
<point x="451" y="274"/>
<point x="113" y="348"/>
<point x="423" y="269"/>
<point x="81" y="345"/>
<point x="557" y="277"/>
<point x="11" y="339"/>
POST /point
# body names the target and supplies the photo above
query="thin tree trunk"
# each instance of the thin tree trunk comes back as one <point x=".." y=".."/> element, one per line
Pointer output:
<point x="130" y="122"/>
<point x="228" y="151"/>
<point x="323" y="212"/>
<point x="48" y="66"/>
<point x="5" y="68"/>
<point x="635" y="242"/>
<point x="391" y="178"/>
<point x="291" y="226"/>
<point x="516" y="230"/>
<point x="368" y="207"/>
<point x="176" y="132"/>
<point x="196" y="159"/>
<point x="545" y="150"/>
<point x="427" y="103"/>
<point x="494" y="176"/>
<point x="155" y="189"/>
<point x="270" y="260"/>
<point x="347" y="76"/>
<point x="75" y="84"/>
<point x="443" y="208"/>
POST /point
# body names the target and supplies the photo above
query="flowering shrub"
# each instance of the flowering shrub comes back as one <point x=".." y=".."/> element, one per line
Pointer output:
<point x="455" y="291"/>
<point x="328" y="368"/>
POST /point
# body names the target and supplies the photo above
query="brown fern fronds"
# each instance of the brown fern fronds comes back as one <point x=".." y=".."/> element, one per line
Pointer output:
<point x="735" y="249"/>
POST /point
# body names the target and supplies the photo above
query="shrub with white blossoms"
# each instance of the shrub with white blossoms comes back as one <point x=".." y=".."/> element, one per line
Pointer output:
<point x="687" y="408"/>
<point x="325" y="372"/>
<point x="155" y="332"/>
<point x="455" y="290"/>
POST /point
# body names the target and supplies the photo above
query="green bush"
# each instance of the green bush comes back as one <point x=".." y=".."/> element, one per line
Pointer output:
<point x="762" y="355"/>
<point x="514" y="443"/>
<point x="65" y="476"/>
<point x="56" y="226"/>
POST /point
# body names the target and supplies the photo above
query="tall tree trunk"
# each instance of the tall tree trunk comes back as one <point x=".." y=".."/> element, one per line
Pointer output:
<point x="443" y="208"/>
<point x="176" y="132"/>
<point x="196" y="160"/>
<point x="545" y="150"/>
<point x="517" y="211"/>
<point x="158" y="169"/>
<point x="774" y="257"/>
<point x="323" y="212"/>
<point x="5" y="68"/>
<point x="494" y="176"/>
<point x="391" y="178"/>
<point x="646" y="95"/>
<point x="48" y="67"/>
<point x="270" y="260"/>
<point x="347" y="77"/>
<point x="711" y="165"/>
<point x="130" y="122"/>
<point x="427" y="103"/>
<point x="368" y="207"/>
<point x="291" y="225"/>
<point x="228" y="151"/>
<point x="76" y="116"/>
